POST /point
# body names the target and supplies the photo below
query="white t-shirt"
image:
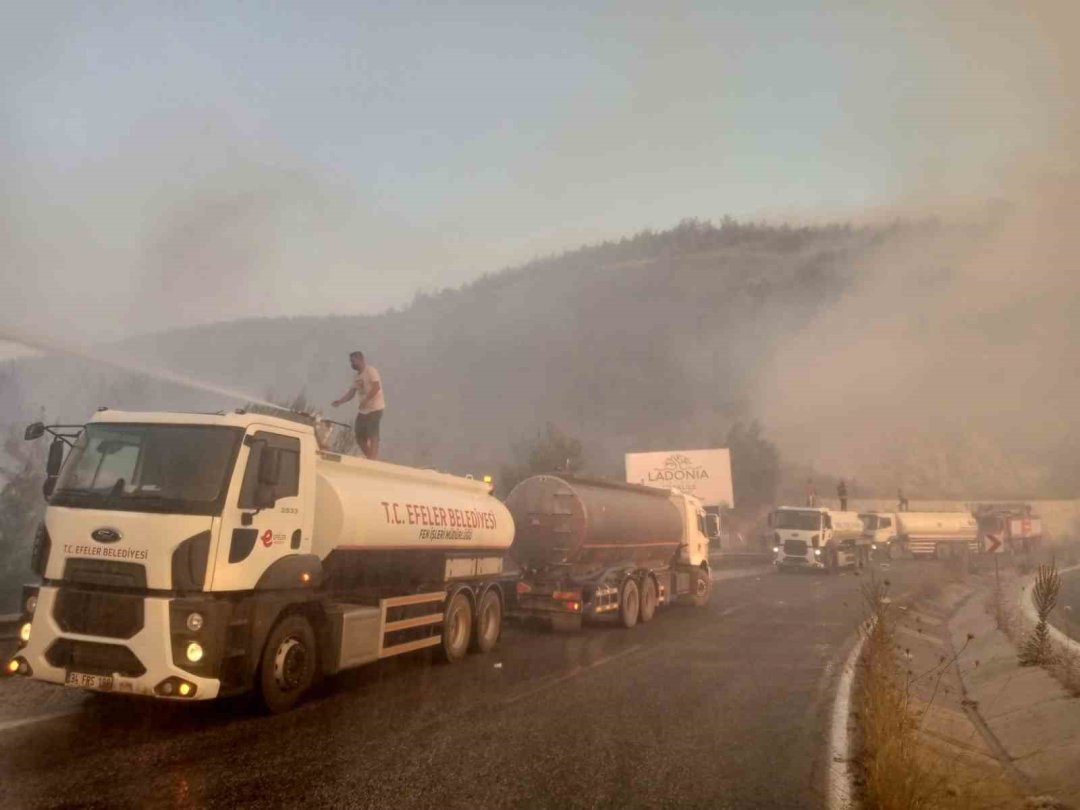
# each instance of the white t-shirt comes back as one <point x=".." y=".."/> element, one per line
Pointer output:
<point x="363" y="383"/>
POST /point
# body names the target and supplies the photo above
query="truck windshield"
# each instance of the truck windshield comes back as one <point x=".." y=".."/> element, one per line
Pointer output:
<point x="870" y="522"/>
<point x="149" y="468"/>
<point x="800" y="521"/>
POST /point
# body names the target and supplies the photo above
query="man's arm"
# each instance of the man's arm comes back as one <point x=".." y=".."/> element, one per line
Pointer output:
<point x="376" y="387"/>
<point x="345" y="398"/>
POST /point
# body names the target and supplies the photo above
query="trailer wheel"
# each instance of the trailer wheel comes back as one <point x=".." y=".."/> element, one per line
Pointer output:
<point x="896" y="550"/>
<point x="488" y="624"/>
<point x="457" y="627"/>
<point x="629" y="603"/>
<point x="701" y="587"/>
<point x="288" y="664"/>
<point x="942" y="551"/>
<point x="648" y="599"/>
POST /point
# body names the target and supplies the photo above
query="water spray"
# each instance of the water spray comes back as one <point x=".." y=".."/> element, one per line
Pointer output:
<point x="52" y="346"/>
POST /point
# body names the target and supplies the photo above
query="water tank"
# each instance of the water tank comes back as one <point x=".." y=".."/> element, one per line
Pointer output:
<point x="592" y="524"/>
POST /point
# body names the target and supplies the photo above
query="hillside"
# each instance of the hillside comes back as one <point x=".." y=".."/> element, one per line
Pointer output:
<point x="659" y="340"/>
<point x="648" y="342"/>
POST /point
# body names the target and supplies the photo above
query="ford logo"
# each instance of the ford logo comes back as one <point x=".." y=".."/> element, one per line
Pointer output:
<point x="106" y="535"/>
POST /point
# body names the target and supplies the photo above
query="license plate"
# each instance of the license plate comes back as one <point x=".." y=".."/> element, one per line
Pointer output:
<point x="102" y="683"/>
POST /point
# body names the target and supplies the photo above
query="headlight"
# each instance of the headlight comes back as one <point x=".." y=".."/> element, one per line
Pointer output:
<point x="194" y="622"/>
<point x="817" y="552"/>
<point x="31" y="603"/>
<point x="24" y="633"/>
<point x="776" y="549"/>
<point x="194" y="652"/>
<point x="873" y="546"/>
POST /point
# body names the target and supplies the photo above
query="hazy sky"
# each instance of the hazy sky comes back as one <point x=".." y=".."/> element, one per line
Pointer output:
<point x="169" y="164"/>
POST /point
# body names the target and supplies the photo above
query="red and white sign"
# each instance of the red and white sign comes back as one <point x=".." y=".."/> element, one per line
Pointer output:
<point x="994" y="545"/>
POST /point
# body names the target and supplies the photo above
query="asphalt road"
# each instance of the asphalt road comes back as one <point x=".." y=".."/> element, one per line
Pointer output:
<point x="726" y="706"/>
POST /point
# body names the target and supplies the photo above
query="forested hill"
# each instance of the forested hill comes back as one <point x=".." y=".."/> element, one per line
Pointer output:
<point x="654" y="341"/>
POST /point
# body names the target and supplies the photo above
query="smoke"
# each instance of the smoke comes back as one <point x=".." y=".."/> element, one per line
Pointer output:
<point x="951" y="364"/>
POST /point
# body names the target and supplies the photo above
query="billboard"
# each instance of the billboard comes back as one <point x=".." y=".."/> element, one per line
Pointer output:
<point x="705" y="474"/>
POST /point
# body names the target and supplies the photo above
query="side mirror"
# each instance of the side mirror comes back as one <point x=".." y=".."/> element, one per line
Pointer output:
<point x="269" y="467"/>
<point x="56" y="458"/>
<point x="265" y="498"/>
<point x="34" y="431"/>
<point x="712" y="525"/>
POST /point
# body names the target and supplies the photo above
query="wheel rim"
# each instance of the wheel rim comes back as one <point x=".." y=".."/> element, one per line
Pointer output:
<point x="290" y="663"/>
<point x="702" y="586"/>
<point x="631" y="603"/>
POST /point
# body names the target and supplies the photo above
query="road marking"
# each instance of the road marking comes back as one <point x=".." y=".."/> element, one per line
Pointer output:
<point x="575" y="672"/>
<point x="41" y="718"/>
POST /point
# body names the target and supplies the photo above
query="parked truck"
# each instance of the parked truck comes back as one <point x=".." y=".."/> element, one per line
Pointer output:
<point x="930" y="534"/>
<point x="816" y="538"/>
<point x="190" y="556"/>
<point x="593" y="548"/>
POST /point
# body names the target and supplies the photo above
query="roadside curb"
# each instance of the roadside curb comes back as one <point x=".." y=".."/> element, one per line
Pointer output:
<point x="841" y="793"/>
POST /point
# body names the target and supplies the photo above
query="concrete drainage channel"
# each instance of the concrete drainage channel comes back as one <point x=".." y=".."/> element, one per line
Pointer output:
<point x="994" y="726"/>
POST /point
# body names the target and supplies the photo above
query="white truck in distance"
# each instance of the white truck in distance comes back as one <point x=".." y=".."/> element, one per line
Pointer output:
<point x="816" y="538"/>
<point x="187" y="556"/>
<point x="935" y="534"/>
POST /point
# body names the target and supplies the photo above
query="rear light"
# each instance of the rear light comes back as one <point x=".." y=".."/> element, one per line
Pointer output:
<point x="564" y="596"/>
<point x="18" y="666"/>
<point x="524" y="587"/>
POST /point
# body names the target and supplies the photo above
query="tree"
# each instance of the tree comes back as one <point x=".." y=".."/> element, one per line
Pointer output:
<point x="21" y="510"/>
<point x="755" y="467"/>
<point x="551" y="451"/>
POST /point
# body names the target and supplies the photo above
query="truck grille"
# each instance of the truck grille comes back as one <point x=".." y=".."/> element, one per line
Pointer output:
<point x="98" y="613"/>
<point x="795" y="547"/>
<point x="94" y="658"/>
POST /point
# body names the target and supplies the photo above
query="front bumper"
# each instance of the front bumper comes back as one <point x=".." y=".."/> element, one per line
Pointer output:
<point x="139" y="664"/>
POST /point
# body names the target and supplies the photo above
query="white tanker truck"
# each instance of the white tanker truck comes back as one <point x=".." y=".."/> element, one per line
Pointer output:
<point x="816" y="538"/>
<point x="935" y="534"/>
<point x="187" y="556"/>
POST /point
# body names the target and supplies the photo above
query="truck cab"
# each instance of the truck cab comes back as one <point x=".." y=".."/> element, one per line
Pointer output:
<point x="164" y="538"/>
<point x="815" y="538"/>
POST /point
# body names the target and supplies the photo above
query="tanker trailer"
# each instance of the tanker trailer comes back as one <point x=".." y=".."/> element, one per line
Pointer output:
<point x="590" y="548"/>
<point x="937" y="534"/>
<point x="187" y="556"/>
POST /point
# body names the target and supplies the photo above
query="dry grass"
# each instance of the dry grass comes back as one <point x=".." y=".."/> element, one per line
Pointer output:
<point x="901" y="771"/>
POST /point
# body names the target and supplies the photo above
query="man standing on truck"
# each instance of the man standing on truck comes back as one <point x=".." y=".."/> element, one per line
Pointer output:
<point x="368" y="384"/>
<point x="902" y="502"/>
<point x="811" y="493"/>
<point x="841" y="493"/>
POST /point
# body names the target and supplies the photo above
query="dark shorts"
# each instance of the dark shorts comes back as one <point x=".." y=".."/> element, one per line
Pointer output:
<point x="367" y="425"/>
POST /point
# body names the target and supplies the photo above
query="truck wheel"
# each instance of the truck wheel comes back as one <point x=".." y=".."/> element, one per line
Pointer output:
<point x="457" y="627"/>
<point x="701" y="587"/>
<point x="488" y="624"/>
<point x="629" y="603"/>
<point x="288" y="664"/>
<point x="648" y="600"/>
<point x="942" y="551"/>
<point x="896" y="550"/>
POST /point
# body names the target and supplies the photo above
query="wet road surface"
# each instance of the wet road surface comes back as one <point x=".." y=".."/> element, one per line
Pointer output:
<point x="726" y="706"/>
